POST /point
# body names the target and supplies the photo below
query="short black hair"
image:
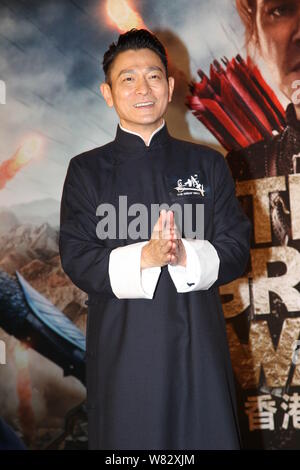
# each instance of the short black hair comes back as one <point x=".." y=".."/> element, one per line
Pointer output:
<point x="133" y="39"/>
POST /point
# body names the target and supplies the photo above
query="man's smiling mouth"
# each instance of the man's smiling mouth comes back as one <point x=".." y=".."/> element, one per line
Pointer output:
<point x="144" y="104"/>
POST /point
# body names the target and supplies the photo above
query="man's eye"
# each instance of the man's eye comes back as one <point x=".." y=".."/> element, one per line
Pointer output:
<point x="127" y="79"/>
<point x="154" y="76"/>
<point x="281" y="10"/>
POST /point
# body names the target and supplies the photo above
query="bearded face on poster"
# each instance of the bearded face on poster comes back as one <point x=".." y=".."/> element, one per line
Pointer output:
<point x="267" y="176"/>
<point x="272" y="30"/>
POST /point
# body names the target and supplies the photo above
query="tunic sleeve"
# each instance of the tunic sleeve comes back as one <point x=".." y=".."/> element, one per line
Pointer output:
<point x="84" y="257"/>
<point x="231" y="227"/>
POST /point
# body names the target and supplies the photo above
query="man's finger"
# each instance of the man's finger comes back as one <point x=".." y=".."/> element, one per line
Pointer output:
<point x="173" y="260"/>
<point x="171" y="220"/>
<point x="162" y="216"/>
<point x="155" y="231"/>
<point x="165" y="230"/>
<point x="166" y="247"/>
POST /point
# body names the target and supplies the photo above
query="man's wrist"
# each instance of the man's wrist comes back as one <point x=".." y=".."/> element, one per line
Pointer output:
<point x="183" y="257"/>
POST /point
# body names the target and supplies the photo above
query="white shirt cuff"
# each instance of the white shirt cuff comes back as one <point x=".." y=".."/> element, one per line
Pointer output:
<point x="127" y="279"/>
<point x="149" y="278"/>
<point x="202" y="267"/>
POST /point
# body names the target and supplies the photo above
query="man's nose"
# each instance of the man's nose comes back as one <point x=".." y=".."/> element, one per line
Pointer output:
<point x="143" y="87"/>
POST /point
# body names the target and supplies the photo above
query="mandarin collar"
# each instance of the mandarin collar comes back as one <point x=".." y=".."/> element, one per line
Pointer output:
<point x="291" y="118"/>
<point x="131" y="141"/>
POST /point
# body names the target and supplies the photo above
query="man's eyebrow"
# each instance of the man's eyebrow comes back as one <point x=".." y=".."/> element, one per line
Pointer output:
<point x="125" y="71"/>
<point x="148" y="69"/>
<point x="154" y="67"/>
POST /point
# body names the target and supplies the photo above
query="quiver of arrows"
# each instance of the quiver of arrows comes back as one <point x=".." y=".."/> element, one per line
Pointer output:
<point x="236" y="104"/>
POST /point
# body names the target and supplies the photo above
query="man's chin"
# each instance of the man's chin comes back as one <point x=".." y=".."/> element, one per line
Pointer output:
<point x="148" y="122"/>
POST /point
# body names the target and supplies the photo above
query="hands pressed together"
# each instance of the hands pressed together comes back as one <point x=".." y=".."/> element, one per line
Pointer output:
<point x="165" y="245"/>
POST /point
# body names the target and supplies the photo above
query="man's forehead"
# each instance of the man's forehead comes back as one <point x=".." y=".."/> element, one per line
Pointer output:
<point x="136" y="60"/>
<point x="262" y="3"/>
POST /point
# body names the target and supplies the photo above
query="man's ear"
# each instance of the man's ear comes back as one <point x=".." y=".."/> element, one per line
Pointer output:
<point x="106" y="92"/>
<point x="171" y="83"/>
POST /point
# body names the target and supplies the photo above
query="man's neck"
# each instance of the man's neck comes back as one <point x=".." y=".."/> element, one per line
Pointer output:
<point x="146" y="134"/>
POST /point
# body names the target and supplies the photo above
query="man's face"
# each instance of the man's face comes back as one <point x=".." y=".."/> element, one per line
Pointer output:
<point x="140" y="90"/>
<point x="278" y="30"/>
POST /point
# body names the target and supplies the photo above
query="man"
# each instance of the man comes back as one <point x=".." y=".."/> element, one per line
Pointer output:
<point x="158" y="367"/>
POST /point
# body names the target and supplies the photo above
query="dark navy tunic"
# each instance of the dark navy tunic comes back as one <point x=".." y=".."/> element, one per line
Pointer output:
<point x="159" y="374"/>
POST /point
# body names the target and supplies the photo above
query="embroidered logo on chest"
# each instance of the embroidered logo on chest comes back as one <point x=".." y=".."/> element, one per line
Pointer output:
<point x="192" y="184"/>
